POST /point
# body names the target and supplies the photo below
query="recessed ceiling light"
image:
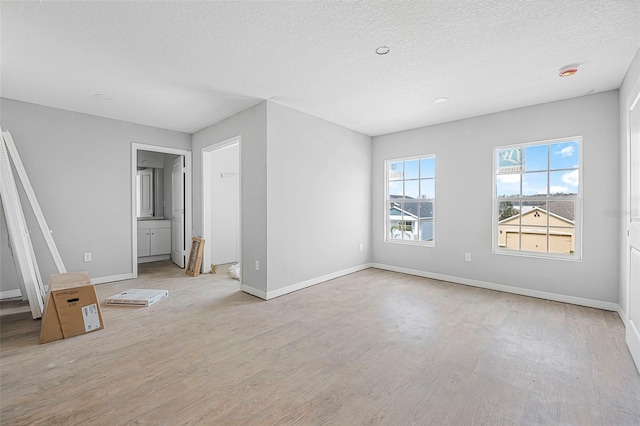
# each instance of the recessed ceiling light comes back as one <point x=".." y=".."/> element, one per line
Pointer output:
<point x="103" y="97"/>
<point x="441" y="100"/>
<point x="383" y="50"/>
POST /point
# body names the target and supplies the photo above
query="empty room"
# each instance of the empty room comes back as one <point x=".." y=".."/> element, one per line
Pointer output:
<point x="320" y="212"/>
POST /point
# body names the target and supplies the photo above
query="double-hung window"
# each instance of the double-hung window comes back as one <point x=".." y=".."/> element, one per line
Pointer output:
<point x="410" y="200"/>
<point x="537" y="199"/>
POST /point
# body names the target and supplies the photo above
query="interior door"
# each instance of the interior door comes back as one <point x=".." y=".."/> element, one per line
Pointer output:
<point x="177" y="212"/>
<point x="633" y="293"/>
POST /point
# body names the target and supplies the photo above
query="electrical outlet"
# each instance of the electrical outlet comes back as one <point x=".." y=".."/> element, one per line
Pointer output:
<point x="467" y="257"/>
<point x="257" y="265"/>
<point x="87" y="257"/>
<point x="361" y="247"/>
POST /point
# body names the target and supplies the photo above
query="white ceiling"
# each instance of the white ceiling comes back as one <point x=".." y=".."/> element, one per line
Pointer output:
<point x="187" y="65"/>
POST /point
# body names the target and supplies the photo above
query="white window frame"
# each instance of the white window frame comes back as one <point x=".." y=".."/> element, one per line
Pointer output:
<point x="577" y="255"/>
<point x="387" y="199"/>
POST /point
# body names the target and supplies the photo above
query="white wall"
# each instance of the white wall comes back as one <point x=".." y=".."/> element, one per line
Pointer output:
<point x="633" y="74"/>
<point x="80" y="169"/>
<point x="464" y="197"/>
<point x="224" y="205"/>
<point x="251" y="125"/>
<point x="319" y="197"/>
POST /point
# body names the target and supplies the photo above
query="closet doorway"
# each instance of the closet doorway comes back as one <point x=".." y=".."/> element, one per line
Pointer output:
<point x="221" y="203"/>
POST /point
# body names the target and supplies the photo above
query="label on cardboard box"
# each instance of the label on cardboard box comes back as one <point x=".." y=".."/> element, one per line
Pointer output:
<point x="90" y="317"/>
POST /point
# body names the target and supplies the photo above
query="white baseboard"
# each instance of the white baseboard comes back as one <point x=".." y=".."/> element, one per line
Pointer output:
<point x="10" y="294"/>
<point x="607" y="306"/>
<point x="623" y="316"/>
<point x="254" y="292"/>
<point x="223" y="261"/>
<point x="111" y="278"/>
<point x="308" y="283"/>
<point x="156" y="258"/>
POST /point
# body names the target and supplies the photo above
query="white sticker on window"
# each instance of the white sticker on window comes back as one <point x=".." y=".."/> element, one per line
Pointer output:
<point x="90" y="317"/>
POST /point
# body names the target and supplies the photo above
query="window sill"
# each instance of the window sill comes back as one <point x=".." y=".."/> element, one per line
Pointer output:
<point x="533" y="254"/>
<point x="411" y="243"/>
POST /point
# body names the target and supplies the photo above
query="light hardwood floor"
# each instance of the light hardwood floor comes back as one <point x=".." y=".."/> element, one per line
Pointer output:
<point x="374" y="347"/>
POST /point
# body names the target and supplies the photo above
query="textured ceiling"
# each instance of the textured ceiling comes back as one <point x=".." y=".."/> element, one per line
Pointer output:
<point x="187" y="65"/>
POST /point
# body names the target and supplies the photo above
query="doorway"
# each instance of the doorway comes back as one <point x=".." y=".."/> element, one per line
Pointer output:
<point x="221" y="203"/>
<point x="176" y="214"/>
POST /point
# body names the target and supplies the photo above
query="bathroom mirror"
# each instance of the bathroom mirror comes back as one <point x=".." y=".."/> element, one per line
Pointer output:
<point x="150" y="196"/>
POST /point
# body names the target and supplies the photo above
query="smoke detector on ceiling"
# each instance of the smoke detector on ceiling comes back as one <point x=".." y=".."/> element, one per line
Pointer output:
<point x="568" y="71"/>
<point x="383" y="50"/>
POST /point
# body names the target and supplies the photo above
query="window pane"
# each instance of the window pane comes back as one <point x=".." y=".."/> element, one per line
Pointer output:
<point x="411" y="188"/>
<point x="395" y="189"/>
<point x="426" y="230"/>
<point x="509" y="210"/>
<point x="533" y="240"/>
<point x="412" y="169"/>
<point x="509" y="237"/>
<point x="428" y="188"/>
<point x="428" y="168"/>
<point x="426" y="210"/>
<point x="395" y="217"/>
<point x="534" y="183"/>
<point x="410" y="219"/>
<point x="535" y="158"/>
<point x="508" y="185"/>
<point x="564" y="155"/>
<point x="562" y="213"/>
<point x="564" y="182"/>
<point x="396" y="170"/>
<point x="562" y="240"/>
<point x="534" y="214"/>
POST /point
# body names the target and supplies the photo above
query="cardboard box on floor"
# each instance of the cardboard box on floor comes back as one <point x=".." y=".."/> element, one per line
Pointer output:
<point x="71" y="308"/>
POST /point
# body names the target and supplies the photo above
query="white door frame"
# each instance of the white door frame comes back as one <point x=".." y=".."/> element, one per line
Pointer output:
<point x="207" y="152"/>
<point x="631" y="231"/>
<point x="188" y="230"/>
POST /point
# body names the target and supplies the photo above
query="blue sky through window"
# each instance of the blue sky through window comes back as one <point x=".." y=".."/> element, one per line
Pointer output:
<point x="551" y="169"/>
<point x="563" y="155"/>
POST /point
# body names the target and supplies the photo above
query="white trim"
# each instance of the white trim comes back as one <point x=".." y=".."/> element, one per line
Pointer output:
<point x="10" y="294"/>
<point x="308" y="283"/>
<point x="632" y="335"/>
<point x="111" y="278"/>
<point x="155" y="258"/>
<point x="221" y="262"/>
<point x="188" y="196"/>
<point x="633" y="341"/>
<point x="608" y="306"/>
<point x="254" y="291"/>
<point x="623" y="316"/>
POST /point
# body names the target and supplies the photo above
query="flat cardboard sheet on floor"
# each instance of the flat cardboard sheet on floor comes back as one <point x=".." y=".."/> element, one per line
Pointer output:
<point x="71" y="308"/>
<point x="137" y="297"/>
